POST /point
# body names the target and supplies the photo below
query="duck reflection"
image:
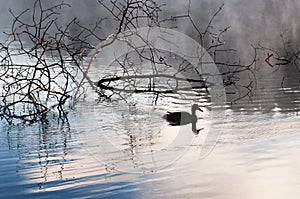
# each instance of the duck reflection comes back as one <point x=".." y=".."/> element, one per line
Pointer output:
<point x="183" y="118"/>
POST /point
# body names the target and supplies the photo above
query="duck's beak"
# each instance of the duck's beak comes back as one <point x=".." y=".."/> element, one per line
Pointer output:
<point x="200" y="109"/>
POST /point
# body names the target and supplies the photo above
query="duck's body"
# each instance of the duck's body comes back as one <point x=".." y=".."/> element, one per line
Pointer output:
<point x="179" y="118"/>
<point x="182" y="118"/>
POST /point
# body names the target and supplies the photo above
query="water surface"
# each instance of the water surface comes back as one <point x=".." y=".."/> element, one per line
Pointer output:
<point x="117" y="149"/>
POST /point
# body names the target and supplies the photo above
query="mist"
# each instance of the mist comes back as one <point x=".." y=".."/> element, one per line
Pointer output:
<point x="257" y="22"/>
<point x="250" y="22"/>
<point x="122" y="147"/>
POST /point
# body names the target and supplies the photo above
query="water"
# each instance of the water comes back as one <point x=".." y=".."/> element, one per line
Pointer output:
<point x="100" y="154"/>
<point x="251" y="160"/>
<point x="126" y="150"/>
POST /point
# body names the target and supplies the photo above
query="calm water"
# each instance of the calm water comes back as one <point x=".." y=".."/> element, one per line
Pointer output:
<point x="256" y="156"/>
<point x="126" y="150"/>
<point x="117" y="150"/>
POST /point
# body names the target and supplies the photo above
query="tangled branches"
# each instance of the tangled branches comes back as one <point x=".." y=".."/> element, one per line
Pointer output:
<point x="133" y="14"/>
<point x="44" y="65"/>
<point x="162" y="64"/>
<point x="40" y="64"/>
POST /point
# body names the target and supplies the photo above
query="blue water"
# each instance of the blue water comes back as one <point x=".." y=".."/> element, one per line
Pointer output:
<point x="117" y="150"/>
<point x="57" y="162"/>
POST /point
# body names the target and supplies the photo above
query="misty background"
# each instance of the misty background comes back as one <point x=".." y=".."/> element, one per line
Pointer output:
<point x="250" y="22"/>
<point x="257" y="22"/>
<point x="259" y="153"/>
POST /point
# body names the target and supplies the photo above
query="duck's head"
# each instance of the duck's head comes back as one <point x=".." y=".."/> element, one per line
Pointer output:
<point x="196" y="107"/>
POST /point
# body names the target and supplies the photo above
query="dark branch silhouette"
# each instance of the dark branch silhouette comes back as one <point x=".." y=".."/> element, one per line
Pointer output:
<point x="44" y="65"/>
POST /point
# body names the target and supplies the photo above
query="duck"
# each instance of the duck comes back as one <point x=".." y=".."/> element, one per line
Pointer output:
<point x="182" y="118"/>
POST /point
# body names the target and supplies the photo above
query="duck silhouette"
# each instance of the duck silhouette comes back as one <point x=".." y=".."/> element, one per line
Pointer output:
<point x="182" y="118"/>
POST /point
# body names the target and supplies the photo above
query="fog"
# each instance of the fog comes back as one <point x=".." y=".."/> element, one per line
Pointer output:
<point x="253" y="152"/>
<point x="251" y="22"/>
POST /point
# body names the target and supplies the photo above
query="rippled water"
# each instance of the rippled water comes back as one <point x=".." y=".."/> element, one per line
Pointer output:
<point x="256" y="156"/>
<point x="126" y="150"/>
<point x="109" y="150"/>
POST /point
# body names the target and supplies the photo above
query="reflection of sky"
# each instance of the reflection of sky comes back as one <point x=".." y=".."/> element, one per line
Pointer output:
<point x="249" y="161"/>
<point x="257" y="155"/>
